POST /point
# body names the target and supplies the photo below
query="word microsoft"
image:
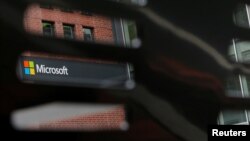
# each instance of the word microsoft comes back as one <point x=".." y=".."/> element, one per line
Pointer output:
<point x="30" y="68"/>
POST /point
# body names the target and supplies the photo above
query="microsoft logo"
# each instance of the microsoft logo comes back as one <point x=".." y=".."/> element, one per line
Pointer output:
<point x="29" y="67"/>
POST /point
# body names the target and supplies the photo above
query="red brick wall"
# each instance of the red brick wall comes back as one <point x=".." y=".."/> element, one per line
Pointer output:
<point x="111" y="119"/>
<point x="102" y="26"/>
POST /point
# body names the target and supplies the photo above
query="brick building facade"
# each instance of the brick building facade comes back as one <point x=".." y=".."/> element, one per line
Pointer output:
<point x="72" y="24"/>
<point x="100" y="26"/>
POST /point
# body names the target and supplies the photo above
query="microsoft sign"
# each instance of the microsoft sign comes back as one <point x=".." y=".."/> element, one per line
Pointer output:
<point x="53" y="71"/>
<point x="29" y="69"/>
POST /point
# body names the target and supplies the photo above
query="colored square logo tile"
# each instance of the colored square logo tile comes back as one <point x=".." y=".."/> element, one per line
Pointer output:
<point x="31" y="64"/>
<point x="26" y="64"/>
<point x="27" y="71"/>
<point x="32" y="71"/>
<point x="29" y="67"/>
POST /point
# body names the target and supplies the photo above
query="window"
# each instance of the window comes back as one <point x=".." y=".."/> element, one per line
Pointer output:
<point x="246" y="55"/>
<point x="234" y="117"/>
<point x="233" y="88"/>
<point x="132" y="30"/>
<point x="88" y="34"/>
<point x="237" y="85"/>
<point x="48" y="28"/>
<point x="240" y="16"/>
<point x="68" y="31"/>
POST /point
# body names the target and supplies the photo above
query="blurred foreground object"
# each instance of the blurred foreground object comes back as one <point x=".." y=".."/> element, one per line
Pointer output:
<point x="71" y="117"/>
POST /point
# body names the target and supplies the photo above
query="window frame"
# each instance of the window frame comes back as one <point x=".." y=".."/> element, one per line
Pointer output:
<point x="72" y="30"/>
<point x="91" y="31"/>
<point x="52" y="28"/>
